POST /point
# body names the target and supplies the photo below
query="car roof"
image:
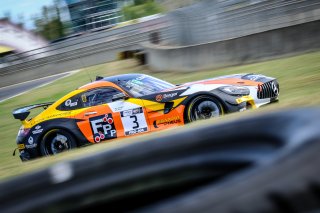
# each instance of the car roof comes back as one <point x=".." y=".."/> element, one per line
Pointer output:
<point x="122" y="77"/>
<point x="110" y="81"/>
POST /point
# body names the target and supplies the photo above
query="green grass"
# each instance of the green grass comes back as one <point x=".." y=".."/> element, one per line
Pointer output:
<point x="299" y="79"/>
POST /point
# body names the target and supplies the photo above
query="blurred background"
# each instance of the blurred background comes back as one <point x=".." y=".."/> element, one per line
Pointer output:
<point x="199" y="35"/>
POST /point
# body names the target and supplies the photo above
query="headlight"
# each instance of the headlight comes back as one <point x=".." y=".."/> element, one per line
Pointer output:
<point x="235" y="90"/>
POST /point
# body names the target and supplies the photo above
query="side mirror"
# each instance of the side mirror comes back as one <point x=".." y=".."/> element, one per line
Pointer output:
<point x="120" y="96"/>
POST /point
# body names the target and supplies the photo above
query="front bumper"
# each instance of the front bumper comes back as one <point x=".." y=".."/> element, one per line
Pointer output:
<point x="248" y="100"/>
<point x="238" y="104"/>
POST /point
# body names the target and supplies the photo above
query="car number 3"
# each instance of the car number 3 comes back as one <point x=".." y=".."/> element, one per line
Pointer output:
<point x="134" y="121"/>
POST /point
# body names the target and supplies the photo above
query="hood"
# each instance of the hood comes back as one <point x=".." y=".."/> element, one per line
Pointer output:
<point x="244" y="79"/>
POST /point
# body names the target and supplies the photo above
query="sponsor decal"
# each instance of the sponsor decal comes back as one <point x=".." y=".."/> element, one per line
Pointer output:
<point x="131" y="112"/>
<point x="64" y="114"/>
<point x="30" y="140"/>
<point x="69" y="103"/>
<point x="117" y="109"/>
<point x="37" y="130"/>
<point x="170" y="95"/>
<point x="167" y="121"/>
<point x="84" y="98"/>
<point x="103" y="127"/>
<point x="136" y="131"/>
<point x="159" y="98"/>
<point x="137" y="111"/>
<point x="126" y="113"/>
<point x="21" y="146"/>
<point x="122" y="106"/>
<point x="30" y="146"/>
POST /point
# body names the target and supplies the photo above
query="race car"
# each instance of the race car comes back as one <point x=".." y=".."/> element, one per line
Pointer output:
<point x="132" y="104"/>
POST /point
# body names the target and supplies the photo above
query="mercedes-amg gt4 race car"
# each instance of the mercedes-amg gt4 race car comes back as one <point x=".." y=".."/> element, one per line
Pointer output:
<point x="133" y="104"/>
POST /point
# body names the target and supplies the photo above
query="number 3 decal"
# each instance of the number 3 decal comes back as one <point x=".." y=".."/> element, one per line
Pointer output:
<point x="134" y="121"/>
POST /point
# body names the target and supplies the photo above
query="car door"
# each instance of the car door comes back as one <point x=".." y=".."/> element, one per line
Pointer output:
<point x="164" y="113"/>
<point x="109" y="114"/>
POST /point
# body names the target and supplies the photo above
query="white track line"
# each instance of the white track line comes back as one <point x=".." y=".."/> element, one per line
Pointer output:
<point x="41" y="85"/>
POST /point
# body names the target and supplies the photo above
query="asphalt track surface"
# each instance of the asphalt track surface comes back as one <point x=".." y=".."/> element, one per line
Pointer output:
<point x="18" y="89"/>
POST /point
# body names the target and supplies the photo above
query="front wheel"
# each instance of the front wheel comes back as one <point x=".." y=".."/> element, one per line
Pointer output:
<point x="203" y="107"/>
<point x="56" y="141"/>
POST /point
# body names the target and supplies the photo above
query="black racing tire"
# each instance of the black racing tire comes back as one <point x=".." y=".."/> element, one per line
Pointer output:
<point x="56" y="141"/>
<point x="203" y="107"/>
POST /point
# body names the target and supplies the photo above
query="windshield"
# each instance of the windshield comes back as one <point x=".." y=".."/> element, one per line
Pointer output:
<point x="144" y="85"/>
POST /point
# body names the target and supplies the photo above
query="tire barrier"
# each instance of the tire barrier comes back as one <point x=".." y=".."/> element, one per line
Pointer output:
<point x="267" y="163"/>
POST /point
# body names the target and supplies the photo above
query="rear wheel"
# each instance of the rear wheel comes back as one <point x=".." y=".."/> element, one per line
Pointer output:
<point x="203" y="107"/>
<point x="56" y="141"/>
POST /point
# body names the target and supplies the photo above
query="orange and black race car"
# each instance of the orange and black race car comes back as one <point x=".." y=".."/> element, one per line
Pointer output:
<point x="132" y="104"/>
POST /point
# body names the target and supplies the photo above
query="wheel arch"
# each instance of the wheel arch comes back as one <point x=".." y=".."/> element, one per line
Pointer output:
<point x="58" y="128"/>
<point x="194" y="96"/>
<point x="63" y="124"/>
<point x="42" y="144"/>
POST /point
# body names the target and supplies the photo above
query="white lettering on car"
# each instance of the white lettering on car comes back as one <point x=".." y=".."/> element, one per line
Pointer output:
<point x="103" y="128"/>
<point x="37" y="130"/>
<point x="170" y="95"/>
<point x="69" y="103"/>
<point x="30" y="140"/>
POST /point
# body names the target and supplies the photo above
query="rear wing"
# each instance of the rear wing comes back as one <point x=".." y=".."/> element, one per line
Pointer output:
<point x="23" y="112"/>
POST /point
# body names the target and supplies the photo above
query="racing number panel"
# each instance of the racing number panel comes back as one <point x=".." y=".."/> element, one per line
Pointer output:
<point x="112" y="120"/>
<point x="134" y="121"/>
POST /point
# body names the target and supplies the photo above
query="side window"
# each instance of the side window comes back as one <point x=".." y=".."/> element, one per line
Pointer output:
<point x="98" y="96"/>
<point x="71" y="103"/>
